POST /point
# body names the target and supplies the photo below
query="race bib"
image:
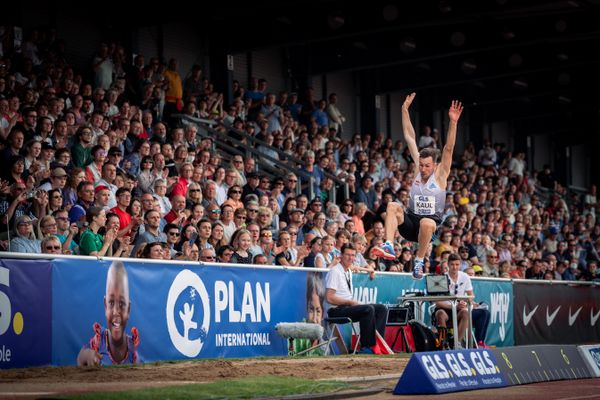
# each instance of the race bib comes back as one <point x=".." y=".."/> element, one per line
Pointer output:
<point x="424" y="205"/>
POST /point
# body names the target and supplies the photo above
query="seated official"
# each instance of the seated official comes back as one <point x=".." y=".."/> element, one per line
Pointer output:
<point x="460" y="285"/>
<point x="371" y="317"/>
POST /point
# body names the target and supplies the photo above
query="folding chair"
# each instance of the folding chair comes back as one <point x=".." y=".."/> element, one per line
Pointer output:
<point x="330" y="334"/>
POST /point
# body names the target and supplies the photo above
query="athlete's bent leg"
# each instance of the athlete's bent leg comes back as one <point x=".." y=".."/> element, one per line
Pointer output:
<point x="394" y="216"/>
<point x="426" y="229"/>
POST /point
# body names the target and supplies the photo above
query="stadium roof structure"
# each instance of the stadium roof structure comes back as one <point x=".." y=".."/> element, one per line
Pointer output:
<point x="533" y="61"/>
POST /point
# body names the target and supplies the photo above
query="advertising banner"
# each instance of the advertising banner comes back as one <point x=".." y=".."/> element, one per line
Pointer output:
<point x="384" y="289"/>
<point x="591" y="355"/>
<point x="450" y="371"/>
<point x="25" y="313"/>
<point x="529" y="364"/>
<point x="168" y="312"/>
<point x="557" y="314"/>
<point x="497" y="295"/>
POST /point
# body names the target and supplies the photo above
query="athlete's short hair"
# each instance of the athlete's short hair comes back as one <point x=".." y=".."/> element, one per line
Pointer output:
<point x="430" y="152"/>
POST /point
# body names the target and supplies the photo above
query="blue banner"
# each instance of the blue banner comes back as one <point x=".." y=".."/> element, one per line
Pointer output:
<point x="450" y="371"/>
<point x="498" y="295"/>
<point x="25" y="313"/>
<point x="179" y="312"/>
<point x="52" y="312"/>
<point x="385" y="288"/>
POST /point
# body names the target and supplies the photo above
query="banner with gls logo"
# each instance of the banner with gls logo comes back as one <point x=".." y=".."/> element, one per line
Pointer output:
<point x="25" y="311"/>
<point x="180" y="311"/>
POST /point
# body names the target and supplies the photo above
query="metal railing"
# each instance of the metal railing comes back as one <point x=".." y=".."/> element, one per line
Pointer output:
<point x="205" y="130"/>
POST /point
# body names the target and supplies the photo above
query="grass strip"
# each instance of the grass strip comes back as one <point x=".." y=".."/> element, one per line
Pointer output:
<point x="246" y="388"/>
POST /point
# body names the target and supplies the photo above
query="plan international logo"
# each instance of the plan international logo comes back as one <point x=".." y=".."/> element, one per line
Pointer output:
<point x="186" y="296"/>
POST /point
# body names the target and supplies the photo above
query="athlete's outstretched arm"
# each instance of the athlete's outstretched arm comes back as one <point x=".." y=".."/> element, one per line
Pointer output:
<point x="454" y="112"/>
<point x="409" y="131"/>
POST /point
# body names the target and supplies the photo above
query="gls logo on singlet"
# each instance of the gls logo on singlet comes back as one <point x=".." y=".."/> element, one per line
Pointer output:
<point x="186" y="295"/>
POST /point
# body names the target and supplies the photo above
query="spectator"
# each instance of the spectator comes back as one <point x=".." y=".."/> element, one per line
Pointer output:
<point x="151" y="232"/>
<point x="208" y="255"/>
<point x="173" y="90"/>
<point x="153" y="251"/>
<point x="241" y="242"/>
<point x="24" y="240"/>
<point x="224" y="254"/>
<point x="91" y="242"/>
<point x="51" y="245"/>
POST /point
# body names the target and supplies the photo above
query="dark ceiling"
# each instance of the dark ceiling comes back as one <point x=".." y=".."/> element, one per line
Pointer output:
<point x="534" y="63"/>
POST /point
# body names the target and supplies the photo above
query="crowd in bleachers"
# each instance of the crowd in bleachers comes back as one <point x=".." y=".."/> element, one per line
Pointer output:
<point x="94" y="162"/>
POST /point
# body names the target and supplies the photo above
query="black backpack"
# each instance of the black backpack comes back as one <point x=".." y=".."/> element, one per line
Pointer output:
<point x="423" y="336"/>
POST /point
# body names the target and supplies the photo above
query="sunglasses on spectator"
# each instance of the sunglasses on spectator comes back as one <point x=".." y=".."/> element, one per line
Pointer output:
<point x="252" y="210"/>
<point x="236" y="191"/>
<point x="52" y="247"/>
<point x="266" y="234"/>
<point x="241" y="217"/>
<point x="194" y="190"/>
<point x="174" y="233"/>
<point x="216" y="211"/>
<point x="209" y="257"/>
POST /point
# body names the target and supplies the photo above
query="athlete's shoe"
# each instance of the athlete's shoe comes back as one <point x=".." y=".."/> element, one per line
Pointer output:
<point x="418" y="269"/>
<point x="385" y="251"/>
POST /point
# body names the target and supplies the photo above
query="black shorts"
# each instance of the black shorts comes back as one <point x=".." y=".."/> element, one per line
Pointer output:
<point x="410" y="228"/>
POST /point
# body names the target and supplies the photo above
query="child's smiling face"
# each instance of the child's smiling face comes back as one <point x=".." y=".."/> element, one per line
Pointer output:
<point x="116" y="307"/>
